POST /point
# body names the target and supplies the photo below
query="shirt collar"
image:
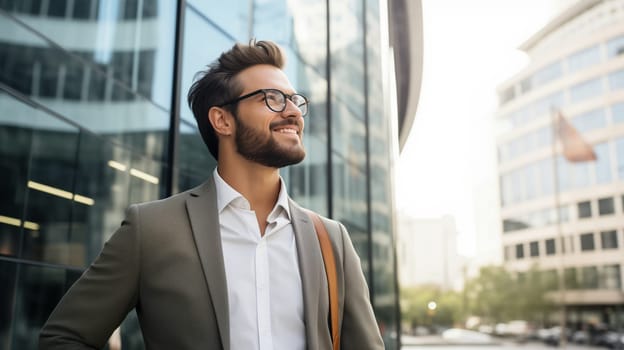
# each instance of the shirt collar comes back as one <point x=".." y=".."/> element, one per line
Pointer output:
<point x="227" y="195"/>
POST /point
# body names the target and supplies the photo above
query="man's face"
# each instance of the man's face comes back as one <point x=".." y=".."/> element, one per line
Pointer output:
<point x="273" y="139"/>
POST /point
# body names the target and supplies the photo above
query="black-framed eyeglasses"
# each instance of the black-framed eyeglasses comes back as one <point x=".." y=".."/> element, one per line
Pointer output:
<point x="276" y="100"/>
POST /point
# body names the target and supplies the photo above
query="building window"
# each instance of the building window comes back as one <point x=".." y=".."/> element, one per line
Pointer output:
<point x="589" y="275"/>
<point x="534" y="248"/>
<point x="616" y="46"/>
<point x="616" y="80"/>
<point x="610" y="278"/>
<point x="569" y="278"/>
<point x="519" y="251"/>
<point x="617" y="112"/>
<point x="591" y="88"/>
<point x="550" y="246"/>
<point x="609" y="239"/>
<point x="584" y="209"/>
<point x="606" y="206"/>
<point x="587" y="242"/>
<point x="583" y="59"/>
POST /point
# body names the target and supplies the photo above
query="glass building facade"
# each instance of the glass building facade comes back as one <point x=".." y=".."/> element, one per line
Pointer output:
<point x="566" y="217"/>
<point x="93" y="117"/>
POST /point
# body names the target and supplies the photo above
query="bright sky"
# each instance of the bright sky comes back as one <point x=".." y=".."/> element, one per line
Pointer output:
<point x="470" y="47"/>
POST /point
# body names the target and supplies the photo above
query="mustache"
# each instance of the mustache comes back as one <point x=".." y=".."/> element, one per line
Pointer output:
<point x="289" y="121"/>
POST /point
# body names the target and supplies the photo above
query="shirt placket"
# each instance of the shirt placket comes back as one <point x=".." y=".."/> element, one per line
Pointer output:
<point x="263" y="301"/>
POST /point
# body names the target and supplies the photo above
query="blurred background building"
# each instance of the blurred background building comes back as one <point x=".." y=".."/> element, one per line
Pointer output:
<point x="93" y="117"/>
<point x="427" y="253"/>
<point x="568" y="217"/>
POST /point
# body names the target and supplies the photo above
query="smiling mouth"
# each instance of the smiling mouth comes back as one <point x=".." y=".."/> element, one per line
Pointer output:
<point x="287" y="131"/>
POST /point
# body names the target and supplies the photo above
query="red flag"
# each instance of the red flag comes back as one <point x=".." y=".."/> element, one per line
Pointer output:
<point x="575" y="149"/>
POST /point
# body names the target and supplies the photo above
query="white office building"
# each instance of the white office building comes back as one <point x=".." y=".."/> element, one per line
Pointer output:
<point x="576" y="67"/>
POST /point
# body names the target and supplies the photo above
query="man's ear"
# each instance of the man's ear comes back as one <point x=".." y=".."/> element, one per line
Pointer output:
<point x="221" y="120"/>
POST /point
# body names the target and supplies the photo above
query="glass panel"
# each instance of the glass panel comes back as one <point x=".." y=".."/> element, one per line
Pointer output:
<point x="590" y="277"/>
<point x="585" y="90"/>
<point x="39" y="290"/>
<point x="534" y="248"/>
<point x="194" y="161"/>
<point x="546" y="74"/>
<point x="550" y="246"/>
<point x="617" y="112"/>
<point x="381" y="163"/>
<point x="587" y="241"/>
<point x="195" y="57"/>
<point x="606" y="206"/>
<point x="615" y="46"/>
<point x="611" y="278"/>
<point x="603" y="163"/>
<point x="8" y="272"/>
<point x="519" y="251"/>
<point x="232" y="17"/>
<point x="83" y="91"/>
<point x="592" y="120"/>
<point x="609" y="239"/>
<point x="584" y="59"/>
<point x="619" y="151"/>
<point x="616" y="80"/>
<point x="134" y="44"/>
<point x="584" y="209"/>
<point x="570" y="278"/>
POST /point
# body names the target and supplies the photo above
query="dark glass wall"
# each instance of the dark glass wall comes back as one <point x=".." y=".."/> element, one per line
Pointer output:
<point x="93" y="117"/>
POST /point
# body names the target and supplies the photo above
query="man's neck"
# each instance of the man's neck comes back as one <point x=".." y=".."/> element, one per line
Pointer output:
<point x="259" y="184"/>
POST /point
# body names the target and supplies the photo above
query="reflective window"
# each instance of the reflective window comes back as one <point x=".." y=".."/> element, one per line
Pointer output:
<point x="606" y="206"/>
<point x="616" y="80"/>
<point x="547" y="74"/>
<point x="602" y="165"/>
<point x="615" y="46"/>
<point x="585" y="90"/>
<point x="233" y="17"/>
<point x="550" y="246"/>
<point x="546" y="175"/>
<point x="587" y="241"/>
<point x="38" y="291"/>
<point x="534" y="248"/>
<point x="570" y="278"/>
<point x="519" y="251"/>
<point x="8" y="272"/>
<point x="609" y="239"/>
<point x="584" y="59"/>
<point x="611" y="278"/>
<point x="619" y="151"/>
<point x="584" y="209"/>
<point x="588" y="121"/>
<point x="617" y="112"/>
<point x="589" y="277"/>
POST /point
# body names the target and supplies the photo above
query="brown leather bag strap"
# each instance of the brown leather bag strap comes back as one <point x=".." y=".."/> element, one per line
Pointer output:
<point x="332" y="280"/>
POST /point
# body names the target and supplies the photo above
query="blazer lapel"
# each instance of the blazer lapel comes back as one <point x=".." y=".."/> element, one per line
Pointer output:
<point x="310" y="269"/>
<point x="202" y="210"/>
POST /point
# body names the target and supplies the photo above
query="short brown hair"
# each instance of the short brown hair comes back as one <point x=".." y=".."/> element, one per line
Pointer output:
<point x="218" y="84"/>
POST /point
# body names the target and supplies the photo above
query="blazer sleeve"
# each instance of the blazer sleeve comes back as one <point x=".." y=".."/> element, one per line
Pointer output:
<point x="102" y="297"/>
<point x="359" y="329"/>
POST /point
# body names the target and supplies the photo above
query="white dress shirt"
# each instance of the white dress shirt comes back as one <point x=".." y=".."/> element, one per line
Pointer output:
<point x="265" y="296"/>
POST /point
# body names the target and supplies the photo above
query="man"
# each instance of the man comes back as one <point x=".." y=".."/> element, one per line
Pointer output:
<point x="233" y="263"/>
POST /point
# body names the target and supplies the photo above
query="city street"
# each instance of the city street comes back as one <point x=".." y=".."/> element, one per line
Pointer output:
<point x="437" y="343"/>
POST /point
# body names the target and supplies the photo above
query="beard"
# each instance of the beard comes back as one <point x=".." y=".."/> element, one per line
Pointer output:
<point x="254" y="146"/>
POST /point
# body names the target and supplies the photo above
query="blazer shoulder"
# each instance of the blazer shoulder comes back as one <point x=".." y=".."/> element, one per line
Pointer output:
<point x="174" y="200"/>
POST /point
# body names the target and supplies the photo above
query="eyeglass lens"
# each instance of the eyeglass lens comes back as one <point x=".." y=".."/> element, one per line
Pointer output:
<point x="276" y="101"/>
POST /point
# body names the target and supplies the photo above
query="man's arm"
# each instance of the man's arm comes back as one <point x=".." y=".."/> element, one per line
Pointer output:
<point x="99" y="301"/>
<point x="359" y="328"/>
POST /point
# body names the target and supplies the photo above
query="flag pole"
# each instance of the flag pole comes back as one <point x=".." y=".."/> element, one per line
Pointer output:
<point x="561" y="280"/>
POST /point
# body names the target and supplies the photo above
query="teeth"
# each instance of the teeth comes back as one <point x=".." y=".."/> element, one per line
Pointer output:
<point x="287" y="131"/>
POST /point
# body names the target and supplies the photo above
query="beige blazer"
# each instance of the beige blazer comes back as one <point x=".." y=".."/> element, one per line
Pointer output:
<point x="166" y="261"/>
